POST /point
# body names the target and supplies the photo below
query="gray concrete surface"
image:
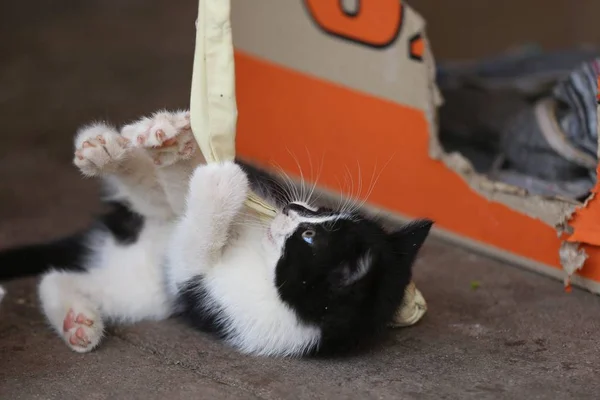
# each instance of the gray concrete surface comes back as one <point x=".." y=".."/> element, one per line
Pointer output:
<point x="64" y="63"/>
<point x="516" y="337"/>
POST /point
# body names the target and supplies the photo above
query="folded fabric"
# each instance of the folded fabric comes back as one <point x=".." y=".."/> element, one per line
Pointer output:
<point x="540" y="136"/>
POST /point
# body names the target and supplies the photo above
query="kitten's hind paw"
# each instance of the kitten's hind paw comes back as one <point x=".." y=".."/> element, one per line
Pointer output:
<point x="167" y="136"/>
<point x="82" y="330"/>
<point x="99" y="148"/>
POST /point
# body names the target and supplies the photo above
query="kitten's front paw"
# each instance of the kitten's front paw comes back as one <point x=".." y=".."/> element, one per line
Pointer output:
<point x="99" y="148"/>
<point x="82" y="330"/>
<point x="225" y="182"/>
<point x="167" y="136"/>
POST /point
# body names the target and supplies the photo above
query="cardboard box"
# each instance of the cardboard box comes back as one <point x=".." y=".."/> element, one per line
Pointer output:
<point x="350" y="92"/>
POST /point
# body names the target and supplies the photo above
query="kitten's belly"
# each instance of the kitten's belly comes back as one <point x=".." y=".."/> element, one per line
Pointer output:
<point x="135" y="272"/>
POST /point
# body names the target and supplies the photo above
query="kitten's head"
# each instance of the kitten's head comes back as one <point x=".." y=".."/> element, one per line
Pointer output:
<point x="342" y="272"/>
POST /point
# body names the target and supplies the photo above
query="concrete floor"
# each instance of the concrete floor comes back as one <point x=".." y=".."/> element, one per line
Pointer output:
<point x="518" y="336"/>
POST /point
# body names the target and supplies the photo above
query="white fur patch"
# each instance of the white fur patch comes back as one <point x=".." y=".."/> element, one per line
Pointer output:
<point x="122" y="284"/>
<point x="242" y="284"/>
<point x="283" y="225"/>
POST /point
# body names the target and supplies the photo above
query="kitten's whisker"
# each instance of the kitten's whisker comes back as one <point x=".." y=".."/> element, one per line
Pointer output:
<point x="282" y="285"/>
<point x="341" y="193"/>
<point x="348" y="198"/>
<point x="302" y="187"/>
<point x="316" y="181"/>
<point x="360" y="186"/>
<point x="317" y="197"/>
<point x="291" y="187"/>
<point x="278" y="190"/>
<point x="309" y="192"/>
<point x="344" y="190"/>
<point x="372" y="186"/>
<point x="293" y="190"/>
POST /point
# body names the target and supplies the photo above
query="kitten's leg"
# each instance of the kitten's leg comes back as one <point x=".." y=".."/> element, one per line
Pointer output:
<point x="168" y="139"/>
<point x="78" y="304"/>
<point x="69" y="311"/>
<point x="216" y="196"/>
<point x="101" y="151"/>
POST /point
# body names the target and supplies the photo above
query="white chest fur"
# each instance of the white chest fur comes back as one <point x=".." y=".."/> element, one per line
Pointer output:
<point x="242" y="286"/>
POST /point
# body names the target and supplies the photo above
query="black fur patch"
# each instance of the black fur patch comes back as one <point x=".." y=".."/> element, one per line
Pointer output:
<point x="31" y="260"/>
<point x="312" y="278"/>
<point x="71" y="252"/>
<point x="264" y="184"/>
<point x="124" y="223"/>
<point x="192" y="302"/>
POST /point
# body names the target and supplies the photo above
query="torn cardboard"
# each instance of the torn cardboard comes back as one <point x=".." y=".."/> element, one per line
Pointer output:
<point x="574" y="221"/>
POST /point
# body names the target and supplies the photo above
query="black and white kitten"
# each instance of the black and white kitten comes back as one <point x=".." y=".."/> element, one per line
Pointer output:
<point x="179" y="240"/>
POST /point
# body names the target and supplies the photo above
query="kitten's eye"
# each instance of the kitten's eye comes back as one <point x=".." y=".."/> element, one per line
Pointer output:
<point x="308" y="235"/>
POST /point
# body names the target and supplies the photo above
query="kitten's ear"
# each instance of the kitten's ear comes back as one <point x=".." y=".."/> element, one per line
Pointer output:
<point x="350" y="275"/>
<point x="409" y="239"/>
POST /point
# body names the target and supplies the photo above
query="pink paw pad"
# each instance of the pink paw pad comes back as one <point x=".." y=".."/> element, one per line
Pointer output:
<point x="83" y="320"/>
<point x="69" y="321"/>
<point x="169" y="142"/>
<point x="79" y="336"/>
<point x="188" y="148"/>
